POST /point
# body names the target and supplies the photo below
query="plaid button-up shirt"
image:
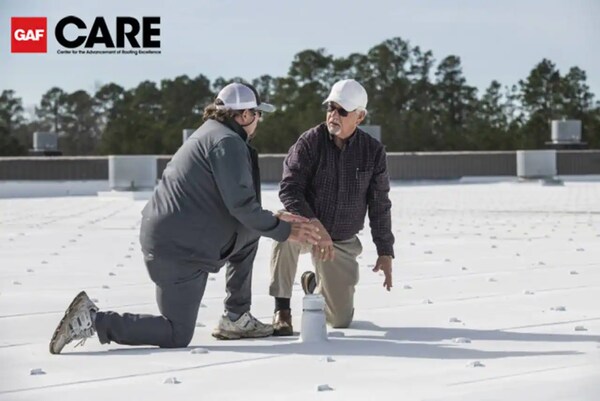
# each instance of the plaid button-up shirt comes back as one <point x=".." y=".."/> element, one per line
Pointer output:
<point x="337" y="186"/>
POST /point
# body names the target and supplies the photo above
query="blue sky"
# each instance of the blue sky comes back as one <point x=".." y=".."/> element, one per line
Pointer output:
<point x="499" y="40"/>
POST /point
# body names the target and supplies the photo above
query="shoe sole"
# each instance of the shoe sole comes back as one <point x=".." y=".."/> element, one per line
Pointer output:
<point x="230" y="335"/>
<point x="59" y="328"/>
<point x="308" y="280"/>
<point x="283" y="333"/>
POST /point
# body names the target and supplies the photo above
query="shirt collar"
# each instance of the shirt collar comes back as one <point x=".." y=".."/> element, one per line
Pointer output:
<point x="348" y="141"/>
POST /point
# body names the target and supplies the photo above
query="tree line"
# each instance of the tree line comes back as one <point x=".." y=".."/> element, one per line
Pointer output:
<point x="420" y="106"/>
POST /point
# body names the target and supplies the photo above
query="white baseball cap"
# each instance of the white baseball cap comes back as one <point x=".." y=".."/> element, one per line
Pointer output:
<point x="236" y="96"/>
<point x="349" y="94"/>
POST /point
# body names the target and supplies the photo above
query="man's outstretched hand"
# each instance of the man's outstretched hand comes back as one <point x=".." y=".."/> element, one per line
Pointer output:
<point x="384" y="264"/>
<point x="290" y="217"/>
<point x="304" y="233"/>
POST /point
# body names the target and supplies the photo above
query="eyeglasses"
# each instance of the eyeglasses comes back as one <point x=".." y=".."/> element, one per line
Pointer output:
<point x="341" y="111"/>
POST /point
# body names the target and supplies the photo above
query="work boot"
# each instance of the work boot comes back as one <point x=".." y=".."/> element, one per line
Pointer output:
<point x="282" y="323"/>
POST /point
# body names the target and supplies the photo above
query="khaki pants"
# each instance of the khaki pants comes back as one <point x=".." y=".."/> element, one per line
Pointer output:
<point x="336" y="279"/>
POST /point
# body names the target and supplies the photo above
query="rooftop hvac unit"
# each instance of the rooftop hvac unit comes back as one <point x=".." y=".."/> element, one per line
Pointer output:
<point x="132" y="173"/>
<point x="45" y="141"/>
<point x="566" y="131"/>
<point x="536" y="163"/>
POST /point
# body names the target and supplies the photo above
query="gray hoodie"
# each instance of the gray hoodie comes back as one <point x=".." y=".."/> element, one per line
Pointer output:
<point x="206" y="206"/>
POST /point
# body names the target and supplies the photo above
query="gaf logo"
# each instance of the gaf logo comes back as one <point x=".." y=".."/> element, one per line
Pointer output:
<point x="28" y="35"/>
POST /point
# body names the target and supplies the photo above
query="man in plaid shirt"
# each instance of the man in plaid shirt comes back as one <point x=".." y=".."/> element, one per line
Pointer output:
<point x="333" y="175"/>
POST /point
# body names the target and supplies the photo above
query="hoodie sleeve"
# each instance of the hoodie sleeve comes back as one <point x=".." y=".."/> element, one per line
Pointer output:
<point x="230" y="163"/>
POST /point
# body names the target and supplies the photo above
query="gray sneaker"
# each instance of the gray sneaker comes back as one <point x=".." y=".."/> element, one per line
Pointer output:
<point x="76" y="324"/>
<point x="247" y="326"/>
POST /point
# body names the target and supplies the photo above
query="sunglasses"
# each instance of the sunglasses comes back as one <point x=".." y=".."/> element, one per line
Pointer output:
<point x="341" y="111"/>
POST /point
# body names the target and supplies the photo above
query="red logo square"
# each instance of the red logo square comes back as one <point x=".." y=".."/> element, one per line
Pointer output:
<point x="28" y="35"/>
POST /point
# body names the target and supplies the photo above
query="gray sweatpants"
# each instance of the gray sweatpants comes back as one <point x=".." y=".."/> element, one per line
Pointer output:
<point x="336" y="280"/>
<point x="179" y="290"/>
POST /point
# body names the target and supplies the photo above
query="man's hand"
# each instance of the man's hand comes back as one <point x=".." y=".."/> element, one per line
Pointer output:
<point x="290" y="217"/>
<point x="304" y="233"/>
<point x="384" y="263"/>
<point x="324" y="249"/>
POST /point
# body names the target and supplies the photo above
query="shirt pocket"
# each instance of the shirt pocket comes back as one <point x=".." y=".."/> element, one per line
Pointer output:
<point x="363" y="179"/>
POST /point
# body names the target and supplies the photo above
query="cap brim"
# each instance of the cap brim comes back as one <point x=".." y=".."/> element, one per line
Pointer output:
<point x="346" y="106"/>
<point x="266" y="107"/>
